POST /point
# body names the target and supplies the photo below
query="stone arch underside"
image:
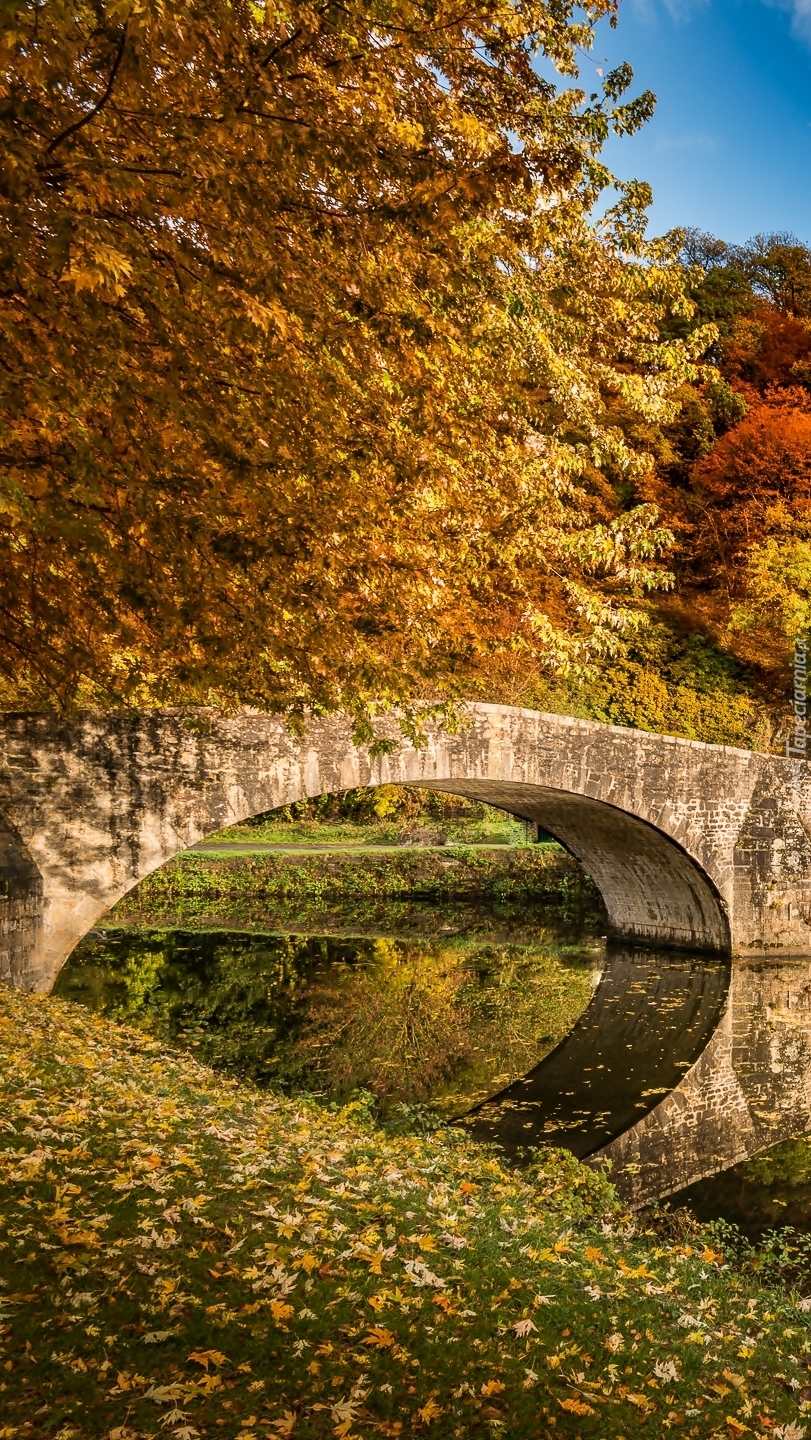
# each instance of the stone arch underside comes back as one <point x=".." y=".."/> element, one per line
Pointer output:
<point x="653" y="892"/>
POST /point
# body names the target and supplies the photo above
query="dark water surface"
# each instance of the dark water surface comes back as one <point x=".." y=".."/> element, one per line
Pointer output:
<point x="771" y="1191"/>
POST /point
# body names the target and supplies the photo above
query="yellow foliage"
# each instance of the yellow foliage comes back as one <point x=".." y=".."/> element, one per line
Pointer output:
<point x="308" y="341"/>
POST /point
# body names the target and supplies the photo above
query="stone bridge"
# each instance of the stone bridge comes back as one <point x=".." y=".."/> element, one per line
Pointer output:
<point x="692" y="845"/>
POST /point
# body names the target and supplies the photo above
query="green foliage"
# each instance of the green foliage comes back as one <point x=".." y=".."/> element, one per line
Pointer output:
<point x="534" y="872"/>
<point x="705" y="413"/>
<point x="718" y="284"/>
<point x="368" y="804"/>
<point x="772" y="1190"/>
<point x="571" y="910"/>
<point x="678" y="684"/>
<point x="778" y="586"/>
<point x="726" y="281"/>
<point x="666" y="681"/>
<point x="788" y="1164"/>
<point x="778" y="267"/>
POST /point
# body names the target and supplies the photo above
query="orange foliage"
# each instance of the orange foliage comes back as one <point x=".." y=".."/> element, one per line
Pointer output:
<point x="755" y="482"/>
<point x="767" y="347"/>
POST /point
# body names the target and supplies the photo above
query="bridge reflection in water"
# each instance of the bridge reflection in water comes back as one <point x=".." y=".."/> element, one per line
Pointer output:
<point x="651" y="1016"/>
<point x="749" y="1088"/>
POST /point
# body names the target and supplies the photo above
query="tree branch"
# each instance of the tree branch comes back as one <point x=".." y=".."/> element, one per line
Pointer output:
<point x="291" y="39"/>
<point x="91" y="114"/>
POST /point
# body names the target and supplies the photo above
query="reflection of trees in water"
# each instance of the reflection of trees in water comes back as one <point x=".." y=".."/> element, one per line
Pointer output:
<point x="406" y="1019"/>
<point x="426" y="1023"/>
<point x="396" y="1027"/>
<point x="771" y="1191"/>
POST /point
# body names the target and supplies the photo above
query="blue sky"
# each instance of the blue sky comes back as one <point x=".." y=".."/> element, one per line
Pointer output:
<point x="729" y="149"/>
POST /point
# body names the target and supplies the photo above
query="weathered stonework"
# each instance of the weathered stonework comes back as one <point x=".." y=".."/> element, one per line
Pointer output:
<point x="21" y="905"/>
<point x="750" y="1089"/>
<point x="692" y="845"/>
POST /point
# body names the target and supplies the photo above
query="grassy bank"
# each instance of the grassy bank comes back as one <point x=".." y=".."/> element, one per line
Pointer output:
<point x="422" y="830"/>
<point x="534" y="872"/>
<point x="383" y="815"/>
<point x="184" y="1256"/>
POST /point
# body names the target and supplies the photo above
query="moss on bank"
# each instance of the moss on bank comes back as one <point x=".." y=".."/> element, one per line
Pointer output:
<point x="184" y="1256"/>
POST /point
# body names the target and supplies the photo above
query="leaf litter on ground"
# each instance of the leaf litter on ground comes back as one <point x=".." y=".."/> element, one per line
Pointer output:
<point x="183" y="1255"/>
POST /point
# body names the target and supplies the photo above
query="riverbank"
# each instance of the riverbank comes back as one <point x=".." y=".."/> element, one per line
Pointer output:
<point x="538" y="873"/>
<point x="185" y="1256"/>
<point x="383" y="815"/>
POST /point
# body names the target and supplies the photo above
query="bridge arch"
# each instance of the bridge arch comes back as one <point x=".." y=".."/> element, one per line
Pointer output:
<point x="691" y="845"/>
<point x="653" y="891"/>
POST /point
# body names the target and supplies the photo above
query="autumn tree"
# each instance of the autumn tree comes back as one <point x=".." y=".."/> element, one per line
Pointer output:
<point x="308" y="344"/>
<point x="745" y="515"/>
<point x="751" y="505"/>
<point x="755" y="482"/>
<point x="758" y="297"/>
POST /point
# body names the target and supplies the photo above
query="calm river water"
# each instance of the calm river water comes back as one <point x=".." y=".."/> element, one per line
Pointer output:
<point x="524" y="1031"/>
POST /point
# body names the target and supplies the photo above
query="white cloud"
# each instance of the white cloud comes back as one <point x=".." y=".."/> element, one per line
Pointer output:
<point x="696" y="140"/>
<point x="683" y="10"/>
<point x="800" y="11"/>
<point x="676" y="9"/>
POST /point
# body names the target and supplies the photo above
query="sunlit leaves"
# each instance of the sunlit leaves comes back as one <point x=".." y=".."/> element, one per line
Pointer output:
<point x="307" y="345"/>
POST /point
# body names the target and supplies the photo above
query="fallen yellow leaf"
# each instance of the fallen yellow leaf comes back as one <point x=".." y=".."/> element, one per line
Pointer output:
<point x="737" y="1380"/>
<point x="208" y="1357"/>
<point x="430" y="1411"/>
<point x="380" y="1336"/>
<point x="576" y="1407"/>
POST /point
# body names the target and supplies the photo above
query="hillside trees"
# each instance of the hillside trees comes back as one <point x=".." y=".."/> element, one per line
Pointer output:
<point x="309" y="349"/>
<point x="749" y="497"/>
<point x="732" y="481"/>
<point x="735" y="474"/>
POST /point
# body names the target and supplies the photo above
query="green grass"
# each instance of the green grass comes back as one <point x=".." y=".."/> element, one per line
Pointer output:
<point x="181" y="1255"/>
<point x="425" y="830"/>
